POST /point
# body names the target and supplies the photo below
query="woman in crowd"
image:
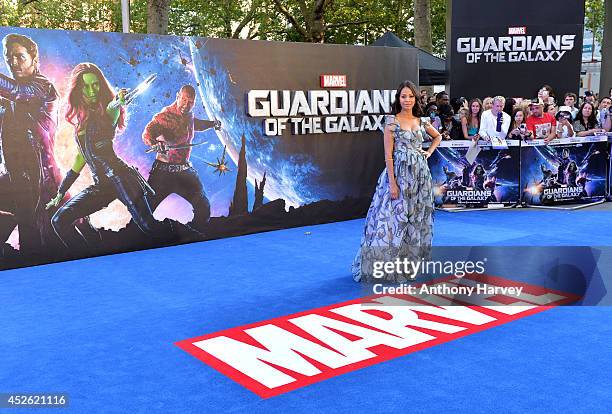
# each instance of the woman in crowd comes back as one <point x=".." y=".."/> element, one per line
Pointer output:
<point x="487" y="103"/>
<point x="518" y="127"/>
<point x="547" y="94"/>
<point x="564" y="124"/>
<point x="586" y="122"/>
<point x="470" y="124"/>
<point x="551" y="108"/>
<point x="400" y="219"/>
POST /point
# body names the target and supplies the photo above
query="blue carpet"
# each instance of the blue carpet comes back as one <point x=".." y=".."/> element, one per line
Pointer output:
<point x="103" y="329"/>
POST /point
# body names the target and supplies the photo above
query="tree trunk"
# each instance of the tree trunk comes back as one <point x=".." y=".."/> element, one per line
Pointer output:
<point x="317" y="24"/>
<point x="422" y="24"/>
<point x="422" y="30"/>
<point x="605" y="83"/>
<point x="157" y="16"/>
<point x="314" y="18"/>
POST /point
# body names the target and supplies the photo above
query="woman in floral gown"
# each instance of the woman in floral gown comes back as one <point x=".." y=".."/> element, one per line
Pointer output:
<point x="399" y="223"/>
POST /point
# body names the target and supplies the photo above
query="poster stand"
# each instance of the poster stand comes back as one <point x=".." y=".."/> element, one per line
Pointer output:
<point x="571" y="207"/>
<point x="488" y="207"/>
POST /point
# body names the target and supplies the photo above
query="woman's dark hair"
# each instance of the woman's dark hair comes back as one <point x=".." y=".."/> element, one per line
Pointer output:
<point x="457" y="103"/>
<point x="551" y="91"/>
<point x="76" y="112"/>
<point x="446" y="111"/>
<point x="589" y="123"/>
<point x="509" y="106"/>
<point x="396" y="108"/>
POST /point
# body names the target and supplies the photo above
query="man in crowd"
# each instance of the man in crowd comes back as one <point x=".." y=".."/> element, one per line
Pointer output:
<point x="541" y="124"/>
<point x="424" y="97"/>
<point x="494" y="123"/>
<point x="603" y="112"/>
<point x="589" y="97"/>
<point x="442" y="99"/>
<point x="570" y="100"/>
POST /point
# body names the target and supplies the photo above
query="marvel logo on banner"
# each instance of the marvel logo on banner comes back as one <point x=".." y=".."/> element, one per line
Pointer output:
<point x="282" y="354"/>
<point x="517" y="30"/>
<point x="333" y="81"/>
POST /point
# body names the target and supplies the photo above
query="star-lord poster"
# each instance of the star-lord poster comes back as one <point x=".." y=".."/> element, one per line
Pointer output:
<point x="113" y="142"/>
<point x="570" y="170"/>
<point x="490" y="176"/>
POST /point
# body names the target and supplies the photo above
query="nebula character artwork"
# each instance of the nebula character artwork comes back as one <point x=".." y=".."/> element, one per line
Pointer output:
<point x="571" y="174"/>
<point x="97" y="113"/>
<point x="29" y="176"/>
<point x="478" y="177"/>
<point x="170" y="134"/>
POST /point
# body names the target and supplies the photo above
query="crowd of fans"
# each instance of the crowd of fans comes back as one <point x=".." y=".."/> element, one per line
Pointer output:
<point x="543" y="117"/>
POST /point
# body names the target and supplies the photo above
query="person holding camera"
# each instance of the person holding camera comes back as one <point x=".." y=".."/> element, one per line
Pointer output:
<point x="518" y="127"/>
<point x="564" y="123"/>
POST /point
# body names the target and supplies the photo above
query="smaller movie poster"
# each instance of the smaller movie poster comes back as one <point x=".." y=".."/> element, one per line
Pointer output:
<point x="475" y="177"/>
<point x="568" y="170"/>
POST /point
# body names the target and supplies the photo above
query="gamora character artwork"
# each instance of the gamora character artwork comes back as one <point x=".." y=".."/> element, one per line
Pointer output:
<point x="97" y="114"/>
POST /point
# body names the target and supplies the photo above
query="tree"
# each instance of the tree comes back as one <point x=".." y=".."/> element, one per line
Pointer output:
<point x="422" y="24"/>
<point x="307" y="20"/>
<point x="594" y="18"/>
<point x="330" y="21"/>
<point x="157" y="16"/>
<point x="100" y="15"/>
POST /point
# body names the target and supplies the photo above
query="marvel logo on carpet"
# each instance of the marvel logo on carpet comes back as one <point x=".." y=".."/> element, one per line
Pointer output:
<point x="282" y="354"/>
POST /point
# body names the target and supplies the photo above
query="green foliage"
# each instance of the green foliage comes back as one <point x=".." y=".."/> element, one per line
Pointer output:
<point x="102" y="15"/>
<point x="594" y="18"/>
<point x="346" y="21"/>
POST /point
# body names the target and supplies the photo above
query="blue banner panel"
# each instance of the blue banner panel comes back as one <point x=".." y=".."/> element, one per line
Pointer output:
<point x="475" y="177"/>
<point x="568" y="170"/>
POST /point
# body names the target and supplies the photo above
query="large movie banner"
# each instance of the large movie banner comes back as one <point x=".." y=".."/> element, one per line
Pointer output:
<point x="463" y="178"/>
<point x="568" y="170"/>
<point x="113" y="142"/>
<point x="501" y="48"/>
<point x="609" y="174"/>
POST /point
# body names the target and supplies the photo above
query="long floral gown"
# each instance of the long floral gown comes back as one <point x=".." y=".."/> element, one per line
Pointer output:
<point x="403" y="227"/>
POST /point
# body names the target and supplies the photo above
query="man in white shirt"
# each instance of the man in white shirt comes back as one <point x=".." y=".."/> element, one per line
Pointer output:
<point x="494" y="123"/>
